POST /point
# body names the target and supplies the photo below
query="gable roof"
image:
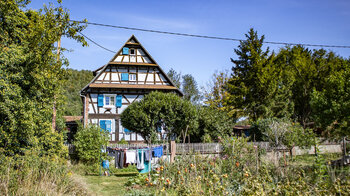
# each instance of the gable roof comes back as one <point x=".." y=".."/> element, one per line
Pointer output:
<point x="131" y="41"/>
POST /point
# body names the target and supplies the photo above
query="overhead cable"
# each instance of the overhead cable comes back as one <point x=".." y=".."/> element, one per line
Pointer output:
<point x="208" y="37"/>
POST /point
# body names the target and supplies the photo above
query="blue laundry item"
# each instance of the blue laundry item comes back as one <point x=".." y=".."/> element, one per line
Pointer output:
<point x="105" y="164"/>
<point x="158" y="151"/>
<point x="147" y="168"/>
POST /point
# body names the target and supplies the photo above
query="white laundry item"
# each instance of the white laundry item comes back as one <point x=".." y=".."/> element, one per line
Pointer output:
<point x="130" y="156"/>
<point x="140" y="164"/>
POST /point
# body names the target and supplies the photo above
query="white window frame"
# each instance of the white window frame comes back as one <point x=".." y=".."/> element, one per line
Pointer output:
<point x="104" y="101"/>
<point x="131" y="75"/>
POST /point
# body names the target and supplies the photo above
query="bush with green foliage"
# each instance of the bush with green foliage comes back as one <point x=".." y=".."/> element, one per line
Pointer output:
<point x="32" y="174"/>
<point x="282" y="132"/>
<point x="88" y="143"/>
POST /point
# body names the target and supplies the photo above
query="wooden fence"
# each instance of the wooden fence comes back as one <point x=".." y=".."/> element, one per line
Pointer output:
<point x="202" y="148"/>
<point x="209" y="148"/>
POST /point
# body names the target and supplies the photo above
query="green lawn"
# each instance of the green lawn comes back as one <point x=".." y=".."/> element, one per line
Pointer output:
<point x="106" y="185"/>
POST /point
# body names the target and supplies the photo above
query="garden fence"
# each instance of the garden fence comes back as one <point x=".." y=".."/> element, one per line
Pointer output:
<point x="212" y="148"/>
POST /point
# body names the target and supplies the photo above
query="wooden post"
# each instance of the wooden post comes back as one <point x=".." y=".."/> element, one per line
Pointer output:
<point x="172" y="151"/>
<point x="54" y="97"/>
<point x="344" y="147"/>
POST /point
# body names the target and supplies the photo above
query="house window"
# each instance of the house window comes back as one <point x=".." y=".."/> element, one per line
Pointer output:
<point x="132" y="77"/>
<point x="132" y="51"/>
<point x="109" y="100"/>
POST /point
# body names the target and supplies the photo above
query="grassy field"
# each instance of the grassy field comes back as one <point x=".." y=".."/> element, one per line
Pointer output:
<point x="106" y="185"/>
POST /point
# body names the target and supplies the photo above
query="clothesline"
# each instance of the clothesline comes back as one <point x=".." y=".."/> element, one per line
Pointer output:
<point x="141" y="157"/>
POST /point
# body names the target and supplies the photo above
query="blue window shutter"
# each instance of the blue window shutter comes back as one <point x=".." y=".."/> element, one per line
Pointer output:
<point x="125" y="77"/>
<point x="100" y="101"/>
<point x="125" y="50"/>
<point x="103" y="125"/>
<point x="118" y="102"/>
<point x="127" y="130"/>
<point x="108" y="124"/>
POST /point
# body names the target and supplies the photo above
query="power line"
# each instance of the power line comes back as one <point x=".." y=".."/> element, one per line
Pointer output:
<point x="207" y="37"/>
<point x="97" y="43"/>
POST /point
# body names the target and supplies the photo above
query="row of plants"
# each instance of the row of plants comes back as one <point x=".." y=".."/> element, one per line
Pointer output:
<point x="239" y="170"/>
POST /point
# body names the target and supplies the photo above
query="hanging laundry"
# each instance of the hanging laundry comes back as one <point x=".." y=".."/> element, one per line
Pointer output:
<point x="140" y="160"/>
<point x="147" y="167"/>
<point x="112" y="153"/>
<point x="124" y="161"/>
<point x="130" y="157"/>
<point x="121" y="159"/>
<point x="158" y="151"/>
<point x="105" y="164"/>
<point x="148" y="154"/>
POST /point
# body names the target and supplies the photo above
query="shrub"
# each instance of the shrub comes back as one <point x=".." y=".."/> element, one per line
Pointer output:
<point x="88" y="143"/>
<point x="282" y="132"/>
<point x="34" y="175"/>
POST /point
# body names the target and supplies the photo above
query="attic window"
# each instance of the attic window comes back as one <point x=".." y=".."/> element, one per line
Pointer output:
<point x="132" y="77"/>
<point x="132" y="51"/>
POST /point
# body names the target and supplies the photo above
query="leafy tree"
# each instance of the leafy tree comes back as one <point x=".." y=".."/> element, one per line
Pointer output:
<point x="331" y="105"/>
<point x="216" y="95"/>
<point x="175" y="77"/>
<point x="308" y="71"/>
<point x="88" y="143"/>
<point x="190" y="88"/>
<point x="187" y="84"/>
<point x="145" y="116"/>
<point x="212" y="123"/>
<point x="31" y="75"/>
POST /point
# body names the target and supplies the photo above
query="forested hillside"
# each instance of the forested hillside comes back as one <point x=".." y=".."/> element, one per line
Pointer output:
<point x="75" y="81"/>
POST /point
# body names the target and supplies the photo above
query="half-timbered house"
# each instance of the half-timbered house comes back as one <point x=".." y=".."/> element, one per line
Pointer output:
<point x="127" y="77"/>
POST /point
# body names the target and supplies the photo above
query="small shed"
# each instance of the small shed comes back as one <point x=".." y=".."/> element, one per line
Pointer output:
<point x="72" y="126"/>
<point x="241" y="130"/>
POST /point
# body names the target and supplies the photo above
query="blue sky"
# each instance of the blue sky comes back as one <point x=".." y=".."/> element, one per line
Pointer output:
<point x="300" y="21"/>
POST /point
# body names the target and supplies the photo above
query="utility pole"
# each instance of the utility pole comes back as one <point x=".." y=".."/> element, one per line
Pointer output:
<point x="54" y="97"/>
